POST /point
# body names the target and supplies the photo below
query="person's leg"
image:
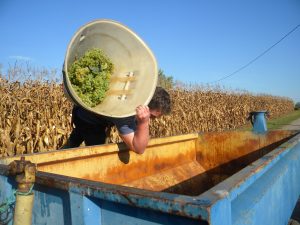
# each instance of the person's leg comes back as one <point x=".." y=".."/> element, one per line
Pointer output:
<point x="91" y="134"/>
<point x="94" y="136"/>
<point x="76" y="137"/>
<point x="74" y="140"/>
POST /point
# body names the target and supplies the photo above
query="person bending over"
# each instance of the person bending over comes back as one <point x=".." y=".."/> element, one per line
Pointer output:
<point x="134" y="130"/>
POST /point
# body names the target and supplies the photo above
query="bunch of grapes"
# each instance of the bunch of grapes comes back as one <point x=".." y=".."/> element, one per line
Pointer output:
<point x="90" y="76"/>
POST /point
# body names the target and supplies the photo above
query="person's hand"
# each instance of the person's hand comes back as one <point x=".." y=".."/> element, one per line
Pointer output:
<point x="142" y="114"/>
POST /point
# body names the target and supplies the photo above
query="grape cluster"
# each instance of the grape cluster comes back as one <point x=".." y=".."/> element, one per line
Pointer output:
<point x="90" y="76"/>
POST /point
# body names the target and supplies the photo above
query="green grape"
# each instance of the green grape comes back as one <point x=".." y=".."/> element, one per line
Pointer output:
<point x="90" y="76"/>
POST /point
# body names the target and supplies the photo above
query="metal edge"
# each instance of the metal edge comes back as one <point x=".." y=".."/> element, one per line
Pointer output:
<point x="180" y="205"/>
<point x="240" y="181"/>
<point x="91" y="151"/>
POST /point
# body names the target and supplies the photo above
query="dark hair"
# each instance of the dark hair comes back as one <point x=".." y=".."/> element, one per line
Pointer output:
<point x="161" y="100"/>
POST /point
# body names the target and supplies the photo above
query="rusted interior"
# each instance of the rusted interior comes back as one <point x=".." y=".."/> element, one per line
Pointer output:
<point x="119" y="167"/>
<point x="186" y="164"/>
<point x="223" y="154"/>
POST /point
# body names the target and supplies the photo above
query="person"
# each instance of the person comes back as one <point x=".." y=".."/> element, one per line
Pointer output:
<point x="134" y="130"/>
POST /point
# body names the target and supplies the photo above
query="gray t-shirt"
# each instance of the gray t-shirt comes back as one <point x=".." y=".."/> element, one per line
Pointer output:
<point x="125" y="125"/>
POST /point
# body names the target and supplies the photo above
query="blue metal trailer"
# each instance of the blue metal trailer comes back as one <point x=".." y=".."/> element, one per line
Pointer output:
<point x="220" y="178"/>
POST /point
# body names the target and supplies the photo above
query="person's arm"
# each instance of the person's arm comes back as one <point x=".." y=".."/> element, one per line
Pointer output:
<point x="138" y="140"/>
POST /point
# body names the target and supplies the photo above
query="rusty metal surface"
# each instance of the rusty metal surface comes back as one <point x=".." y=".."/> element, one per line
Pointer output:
<point x="164" y="202"/>
<point x="24" y="171"/>
<point x="223" y="147"/>
<point x="186" y="165"/>
<point x="201" y="206"/>
<point x="168" y="178"/>
<point x="124" y="166"/>
<point x="259" y="166"/>
<point x="198" y="207"/>
<point x="222" y="154"/>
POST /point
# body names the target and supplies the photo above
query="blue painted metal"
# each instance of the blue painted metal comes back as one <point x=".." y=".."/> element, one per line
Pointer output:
<point x="92" y="214"/>
<point x="258" y="120"/>
<point x="264" y="192"/>
<point x="51" y="206"/>
<point x="6" y="191"/>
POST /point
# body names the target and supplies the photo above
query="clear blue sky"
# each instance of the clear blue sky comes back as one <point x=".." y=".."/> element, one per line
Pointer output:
<point x="194" y="41"/>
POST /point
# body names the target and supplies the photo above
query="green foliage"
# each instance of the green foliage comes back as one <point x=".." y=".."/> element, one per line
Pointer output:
<point x="283" y="120"/>
<point x="164" y="80"/>
<point x="90" y="76"/>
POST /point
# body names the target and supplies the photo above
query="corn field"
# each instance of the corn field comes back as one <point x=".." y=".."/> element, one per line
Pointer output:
<point x="203" y="110"/>
<point x="35" y="116"/>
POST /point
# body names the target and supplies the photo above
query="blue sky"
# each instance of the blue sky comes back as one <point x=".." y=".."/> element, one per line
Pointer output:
<point x="194" y="41"/>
